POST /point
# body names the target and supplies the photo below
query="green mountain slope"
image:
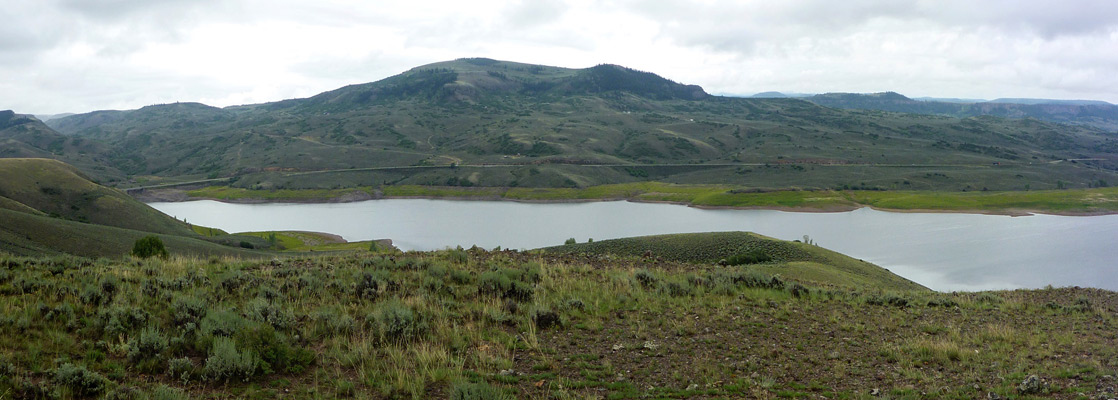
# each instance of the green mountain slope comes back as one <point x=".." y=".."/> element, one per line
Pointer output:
<point x="795" y="260"/>
<point x="24" y="136"/>
<point x="1081" y="112"/>
<point x="481" y="122"/>
<point x="55" y="188"/>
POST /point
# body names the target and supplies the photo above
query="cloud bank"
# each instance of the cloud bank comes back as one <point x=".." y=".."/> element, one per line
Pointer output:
<point x="77" y="56"/>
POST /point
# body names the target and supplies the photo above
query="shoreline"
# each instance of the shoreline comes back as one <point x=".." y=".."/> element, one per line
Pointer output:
<point x="180" y="196"/>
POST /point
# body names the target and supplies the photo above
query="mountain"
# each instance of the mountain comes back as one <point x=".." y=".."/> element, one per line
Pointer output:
<point x="482" y="122"/>
<point x="24" y="136"/>
<point x="1098" y="114"/>
<point x="1050" y="101"/>
<point x="779" y="95"/>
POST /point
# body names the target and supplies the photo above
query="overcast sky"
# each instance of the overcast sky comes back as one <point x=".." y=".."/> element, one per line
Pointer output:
<point x="83" y="55"/>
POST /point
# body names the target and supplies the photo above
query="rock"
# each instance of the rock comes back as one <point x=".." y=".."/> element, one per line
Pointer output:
<point x="875" y="392"/>
<point x="693" y="386"/>
<point x="1031" y="385"/>
<point x="993" y="396"/>
<point x="650" y="345"/>
<point x="618" y="347"/>
<point x="507" y="372"/>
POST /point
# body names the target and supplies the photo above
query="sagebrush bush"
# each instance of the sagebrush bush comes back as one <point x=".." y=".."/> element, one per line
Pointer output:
<point x="187" y="309"/>
<point x="80" y="380"/>
<point x="222" y="323"/>
<point x="509" y="283"/>
<point x="149" y="246"/>
<point x="262" y="310"/>
<point x="148" y="346"/>
<point x="396" y="322"/>
<point x="225" y="362"/>
<point x="273" y="349"/>
<point x="646" y="278"/>
<point x="182" y="369"/>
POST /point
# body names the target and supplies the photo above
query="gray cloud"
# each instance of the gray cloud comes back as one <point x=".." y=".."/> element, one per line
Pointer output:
<point x="76" y="55"/>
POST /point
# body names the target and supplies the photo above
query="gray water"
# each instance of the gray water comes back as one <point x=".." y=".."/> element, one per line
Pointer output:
<point x="945" y="252"/>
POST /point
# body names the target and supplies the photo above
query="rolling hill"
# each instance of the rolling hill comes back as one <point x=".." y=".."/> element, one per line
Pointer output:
<point x="49" y="207"/>
<point x="795" y="260"/>
<point x="482" y="122"/>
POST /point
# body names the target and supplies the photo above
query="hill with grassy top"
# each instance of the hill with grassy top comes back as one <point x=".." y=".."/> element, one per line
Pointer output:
<point x="792" y="260"/>
<point x="54" y="188"/>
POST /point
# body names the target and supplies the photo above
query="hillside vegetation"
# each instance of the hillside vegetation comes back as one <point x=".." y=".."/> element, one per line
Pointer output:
<point x="475" y="324"/>
<point x="488" y="123"/>
<point x="54" y="188"/>
<point x="801" y="261"/>
<point x="1090" y="113"/>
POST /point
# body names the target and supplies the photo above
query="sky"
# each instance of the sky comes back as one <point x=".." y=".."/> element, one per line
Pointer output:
<point x="59" y="56"/>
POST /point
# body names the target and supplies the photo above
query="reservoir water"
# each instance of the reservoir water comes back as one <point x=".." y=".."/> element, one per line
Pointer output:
<point x="945" y="252"/>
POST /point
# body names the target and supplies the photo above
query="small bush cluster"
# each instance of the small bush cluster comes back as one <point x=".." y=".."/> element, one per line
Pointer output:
<point x="509" y="283"/>
<point x="396" y="323"/>
<point x="756" y="256"/>
<point x="226" y="362"/>
<point x="80" y="380"/>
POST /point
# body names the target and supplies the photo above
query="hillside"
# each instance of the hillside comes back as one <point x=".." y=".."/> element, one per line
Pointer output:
<point x="24" y="136"/>
<point x="798" y="261"/>
<point x="476" y="324"/>
<point x="481" y="122"/>
<point x="55" y="188"/>
<point x="1097" y="114"/>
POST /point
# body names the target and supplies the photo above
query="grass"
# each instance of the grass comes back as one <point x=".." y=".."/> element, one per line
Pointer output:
<point x="233" y="193"/>
<point x="422" y="325"/>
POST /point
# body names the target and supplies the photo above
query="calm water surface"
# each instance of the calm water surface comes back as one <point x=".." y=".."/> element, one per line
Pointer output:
<point x="942" y="251"/>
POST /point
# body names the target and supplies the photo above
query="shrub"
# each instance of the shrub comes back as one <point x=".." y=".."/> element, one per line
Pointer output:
<point x="222" y="323"/>
<point x="396" y="322"/>
<point x="225" y="362"/>
<point x="752" y="257"/>
<point x="181" y="369"/>
<point x="797" y="290"/>
<point x="570" y="241"/>
<point x="149" y="246"/>
<point x="187" y="309"/>
<point x="273" y="349"/>
<point x="545" y="318"/>
<point x="80" y="380"/>
<point x="509" y="283"/>
<point x="268" y="312"/>
<point x="646" y="279"/>
<point x="149" y="346"/>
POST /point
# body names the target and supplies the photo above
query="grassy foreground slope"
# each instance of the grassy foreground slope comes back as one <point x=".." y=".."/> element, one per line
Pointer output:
<point x="799" y="261"/>
<point x="481" y="325"/>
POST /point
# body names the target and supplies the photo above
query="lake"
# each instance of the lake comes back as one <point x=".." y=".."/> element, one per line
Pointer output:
<point x="945" y="252"/>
